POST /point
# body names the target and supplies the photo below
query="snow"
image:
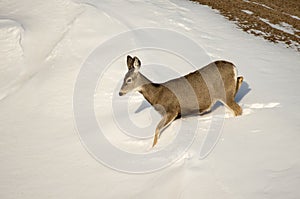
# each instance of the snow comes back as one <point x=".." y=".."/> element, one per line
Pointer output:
<point x="258" y="32"/>
<point x="295" y="17"/>
<point x="43" y="47"/>
<point x="260" y="4"/>
<point x="285" y="27"/>
<point x="11" y="57"/>
<point x="248" y="12"/>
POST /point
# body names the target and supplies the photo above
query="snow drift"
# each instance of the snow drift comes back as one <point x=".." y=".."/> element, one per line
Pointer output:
<point x="43" y="46"/>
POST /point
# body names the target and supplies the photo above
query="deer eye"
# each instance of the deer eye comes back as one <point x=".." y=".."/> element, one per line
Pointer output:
<point x="129" y="80"/>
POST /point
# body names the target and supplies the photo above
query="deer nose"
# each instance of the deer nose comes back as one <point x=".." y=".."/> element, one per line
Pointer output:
<point x="120" y="93"/>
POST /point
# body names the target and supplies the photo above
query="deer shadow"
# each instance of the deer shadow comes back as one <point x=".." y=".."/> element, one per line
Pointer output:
<point x="242" y="92"/>
<point x="143" y="106"/>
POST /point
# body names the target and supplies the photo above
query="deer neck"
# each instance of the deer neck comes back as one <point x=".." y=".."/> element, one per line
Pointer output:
<point x="149" y="90"/>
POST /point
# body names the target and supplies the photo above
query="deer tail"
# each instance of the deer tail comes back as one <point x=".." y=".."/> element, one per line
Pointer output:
<point x="239" y="82"/>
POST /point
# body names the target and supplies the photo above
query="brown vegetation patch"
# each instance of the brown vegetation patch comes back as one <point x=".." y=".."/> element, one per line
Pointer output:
<point x="275" y="20"/>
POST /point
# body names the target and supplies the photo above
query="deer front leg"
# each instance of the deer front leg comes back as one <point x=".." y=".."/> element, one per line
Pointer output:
<point x="165" y="121"/>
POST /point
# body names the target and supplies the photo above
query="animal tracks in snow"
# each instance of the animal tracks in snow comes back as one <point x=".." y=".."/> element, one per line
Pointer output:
<point x="249" y="108"/>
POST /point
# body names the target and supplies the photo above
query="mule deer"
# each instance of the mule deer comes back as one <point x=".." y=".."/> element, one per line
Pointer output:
<point x="193" y="93"/>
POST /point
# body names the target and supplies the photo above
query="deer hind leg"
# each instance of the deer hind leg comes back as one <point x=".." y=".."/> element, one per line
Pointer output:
<point x="234" y="107"/>
<point x="164" y="122"/>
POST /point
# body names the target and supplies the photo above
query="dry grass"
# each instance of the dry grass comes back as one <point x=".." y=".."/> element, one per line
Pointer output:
<point x="275" y="11"/>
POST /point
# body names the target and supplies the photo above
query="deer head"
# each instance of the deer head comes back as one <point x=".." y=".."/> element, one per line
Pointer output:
<point x="132" y="80"/>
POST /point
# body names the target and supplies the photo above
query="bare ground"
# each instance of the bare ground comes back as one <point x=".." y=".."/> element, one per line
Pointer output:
<point x="274" y="20"/>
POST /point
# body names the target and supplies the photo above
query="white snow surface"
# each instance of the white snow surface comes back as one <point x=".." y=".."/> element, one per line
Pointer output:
<point x="248" y="12"/>
<point x="285" y="27"/>
<point x="43" y="45"/>
<point x="260" y="4"/>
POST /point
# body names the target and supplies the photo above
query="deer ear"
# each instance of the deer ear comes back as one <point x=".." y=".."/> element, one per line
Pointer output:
<point x="129" y="62"/>
<point x="136" y="63"/>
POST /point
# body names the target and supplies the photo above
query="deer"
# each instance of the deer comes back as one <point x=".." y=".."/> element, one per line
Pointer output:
<point x="194" y="93"/>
